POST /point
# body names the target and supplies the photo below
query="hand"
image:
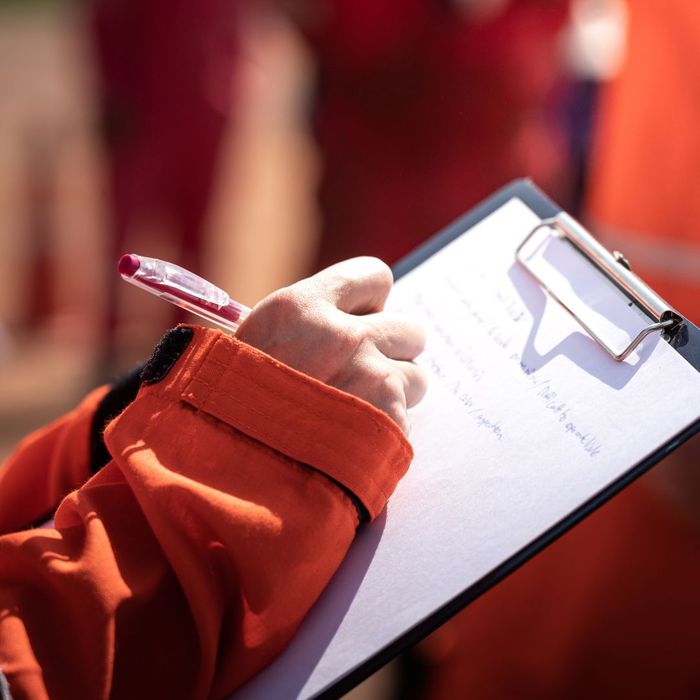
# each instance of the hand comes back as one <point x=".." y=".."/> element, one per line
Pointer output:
<point x="332" y="327"/>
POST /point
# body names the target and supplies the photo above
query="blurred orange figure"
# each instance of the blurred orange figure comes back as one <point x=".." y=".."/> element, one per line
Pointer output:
<point x="646" y="167"/>
<point x="612" y="609"/>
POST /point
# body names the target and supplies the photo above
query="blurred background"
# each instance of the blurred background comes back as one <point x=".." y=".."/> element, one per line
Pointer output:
<point x="256" y="141"/>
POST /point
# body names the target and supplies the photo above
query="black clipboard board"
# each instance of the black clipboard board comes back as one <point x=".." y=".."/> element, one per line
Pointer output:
<point x="685" y="340"/>
<point x="684" y="337"/>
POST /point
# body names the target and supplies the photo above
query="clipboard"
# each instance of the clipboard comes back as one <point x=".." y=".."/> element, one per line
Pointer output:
<point x="286" y="677"/>
<point x="683" y="335"/>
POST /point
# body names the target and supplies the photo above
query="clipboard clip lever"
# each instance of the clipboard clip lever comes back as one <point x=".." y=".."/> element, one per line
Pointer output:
<point x="616" y="268"/>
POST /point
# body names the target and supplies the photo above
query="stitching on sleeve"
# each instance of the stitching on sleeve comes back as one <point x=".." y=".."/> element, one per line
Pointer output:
<point x="237" y="399"/>
<point x="328" y="391"/>
<point x="202" y="398"/>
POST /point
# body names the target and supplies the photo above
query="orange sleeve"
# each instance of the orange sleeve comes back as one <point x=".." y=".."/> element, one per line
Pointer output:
<point x="46" y="467"/>
<point x="185" y="565"/>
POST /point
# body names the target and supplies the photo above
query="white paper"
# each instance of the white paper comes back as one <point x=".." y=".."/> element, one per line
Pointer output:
<point x="526" y="418"/>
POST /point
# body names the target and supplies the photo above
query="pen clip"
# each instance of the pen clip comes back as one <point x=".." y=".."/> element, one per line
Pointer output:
<point x="170" y="277"/>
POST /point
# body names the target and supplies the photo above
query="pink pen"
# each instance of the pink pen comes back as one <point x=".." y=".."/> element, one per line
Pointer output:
<point x="183" y="288"/>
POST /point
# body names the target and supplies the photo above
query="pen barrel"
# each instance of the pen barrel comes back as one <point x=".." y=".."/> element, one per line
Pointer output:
<point x="178" y="279"/>
<point x="184" y="289"/>
<point x="229" y="317"/>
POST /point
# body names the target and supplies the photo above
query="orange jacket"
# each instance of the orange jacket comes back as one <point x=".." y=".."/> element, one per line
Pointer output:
<point x="184" y="565"/>
<point x="645" y="178"/>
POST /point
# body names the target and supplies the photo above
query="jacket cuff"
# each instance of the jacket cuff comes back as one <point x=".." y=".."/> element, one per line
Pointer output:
<point x="347" y="439"/>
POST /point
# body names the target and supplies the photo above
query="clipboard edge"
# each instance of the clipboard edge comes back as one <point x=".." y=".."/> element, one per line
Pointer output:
<point x="686" y="342"/>
<point x="469" y="595"/>
<point x="523" y="189"/>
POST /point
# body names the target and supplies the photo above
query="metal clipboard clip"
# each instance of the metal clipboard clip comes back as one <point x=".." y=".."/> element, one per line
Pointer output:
<point x="616" y="268"/>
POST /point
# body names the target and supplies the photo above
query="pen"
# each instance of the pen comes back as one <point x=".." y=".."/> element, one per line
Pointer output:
<point x="183" y="288"/>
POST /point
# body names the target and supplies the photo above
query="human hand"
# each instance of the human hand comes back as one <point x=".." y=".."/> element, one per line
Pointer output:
<point x="332" y="327"/>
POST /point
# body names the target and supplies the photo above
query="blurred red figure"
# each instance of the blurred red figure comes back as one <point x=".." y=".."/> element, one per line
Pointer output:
<point x="165" y="72"/>
<point x="424" y="107"/>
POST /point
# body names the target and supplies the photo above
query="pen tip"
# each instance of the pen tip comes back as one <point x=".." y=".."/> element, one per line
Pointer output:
<point x="128" y="265"/>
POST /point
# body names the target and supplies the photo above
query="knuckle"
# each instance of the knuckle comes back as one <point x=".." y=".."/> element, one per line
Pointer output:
<point x="417" y="384"/>
<point x="294" y="308"/>
<point x="382" y="268"/>
<point x="384" y="387"/>
<point x="393" y="386"/>
<point x="349" y="338"/>
<point x="285" y="302"/>
<point x="383" y="272"/>
<point x="387" y="386"/>
<point x="413" y="335"/>
<point x="365" y="268"/>
<point x="273" y="311"/>
<point x="363" y="330"/>
<point x="397" y="412"/>
<point x="282" y="326"/>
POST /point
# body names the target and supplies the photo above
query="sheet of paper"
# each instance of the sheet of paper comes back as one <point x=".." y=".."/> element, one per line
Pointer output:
<point x="526" y="418"/>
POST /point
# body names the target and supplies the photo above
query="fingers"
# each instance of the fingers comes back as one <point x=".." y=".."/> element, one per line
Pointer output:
<point x="404" y="387"/>
<point x="356" y="286"/>
<point x="332" y="327"/>
<point x="396" y="336"/>
<point x="415" y="381"/>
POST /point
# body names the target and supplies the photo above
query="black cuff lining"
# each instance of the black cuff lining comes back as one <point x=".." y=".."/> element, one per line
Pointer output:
<point x="124" y="390"/>
<point x="362" y="512"/>
<point x="166" y="354"/>
<point x="122" y="393"/>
